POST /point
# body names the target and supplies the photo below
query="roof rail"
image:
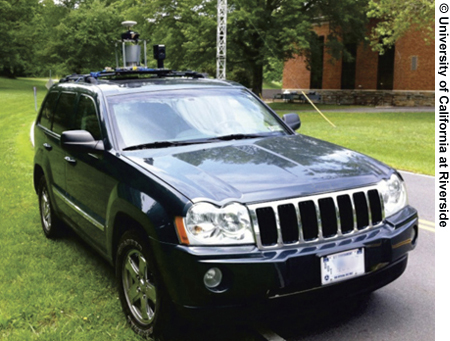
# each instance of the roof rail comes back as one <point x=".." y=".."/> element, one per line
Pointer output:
<point x="112" y="74"/>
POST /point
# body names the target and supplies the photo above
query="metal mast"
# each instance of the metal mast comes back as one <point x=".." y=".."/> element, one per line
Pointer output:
<point x="221" y="39"/>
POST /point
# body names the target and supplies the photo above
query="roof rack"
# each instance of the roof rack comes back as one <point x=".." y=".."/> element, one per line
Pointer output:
<point x="124" y="73"/>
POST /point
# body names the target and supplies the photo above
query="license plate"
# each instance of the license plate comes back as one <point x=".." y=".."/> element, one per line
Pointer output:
<point x="342" y="266"/>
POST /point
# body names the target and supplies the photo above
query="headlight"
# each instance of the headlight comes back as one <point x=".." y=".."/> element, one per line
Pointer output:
<point x="211" y="225"/>
<point x="394" y="195"/>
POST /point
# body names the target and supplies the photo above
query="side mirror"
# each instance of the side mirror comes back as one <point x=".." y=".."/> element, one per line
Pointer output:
<point x="292" y="120"/>
<point x="81" y="141"/>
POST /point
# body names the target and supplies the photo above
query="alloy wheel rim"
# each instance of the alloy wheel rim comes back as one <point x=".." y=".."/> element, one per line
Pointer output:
<point x="46" y="211"/>
<point x="138" y="286"/>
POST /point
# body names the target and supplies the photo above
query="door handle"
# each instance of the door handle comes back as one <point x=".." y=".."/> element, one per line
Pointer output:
<point x="70" y="160"/>
<point x="47" y="146"/>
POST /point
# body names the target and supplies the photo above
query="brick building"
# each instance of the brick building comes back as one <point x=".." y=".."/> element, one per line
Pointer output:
<point x="404" y="75"/>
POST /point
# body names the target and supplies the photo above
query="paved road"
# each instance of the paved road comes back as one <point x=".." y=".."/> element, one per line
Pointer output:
<point x="421" y="194"/>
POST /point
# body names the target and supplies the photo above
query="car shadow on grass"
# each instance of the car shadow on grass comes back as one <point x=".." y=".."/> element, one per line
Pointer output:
<point x="76" y="244"/>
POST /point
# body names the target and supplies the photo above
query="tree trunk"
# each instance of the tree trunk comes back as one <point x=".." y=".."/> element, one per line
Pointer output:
<point x="6" y="72"/>
<point x="257" y="79"/>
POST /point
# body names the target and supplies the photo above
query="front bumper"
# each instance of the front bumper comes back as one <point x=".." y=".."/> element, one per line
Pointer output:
<point x="252" y="277"/>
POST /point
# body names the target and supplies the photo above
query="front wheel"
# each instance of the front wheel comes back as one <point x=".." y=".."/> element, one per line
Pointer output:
<point x="142" y="296"/>
<point x="51" y="225"/>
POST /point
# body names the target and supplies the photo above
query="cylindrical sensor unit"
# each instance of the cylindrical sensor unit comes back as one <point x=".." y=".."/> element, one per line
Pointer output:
<point x="132" y="55"/>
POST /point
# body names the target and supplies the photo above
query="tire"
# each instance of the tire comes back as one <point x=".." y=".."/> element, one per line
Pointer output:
<point x="51" y="225"/>
<point x="143" y="298"/>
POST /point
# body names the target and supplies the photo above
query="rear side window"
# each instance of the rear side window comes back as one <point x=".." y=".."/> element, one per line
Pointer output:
<point x="47" y="110"/>
<point x="86" y="117"/>
<point x="63" y="112"/>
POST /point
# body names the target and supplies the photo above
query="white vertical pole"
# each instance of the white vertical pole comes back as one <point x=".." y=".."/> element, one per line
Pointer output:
<point x="35" y="98"/>
<point x="145" y="53"/>
<point x="124" y="57"/>
<point x="221" y="39"/>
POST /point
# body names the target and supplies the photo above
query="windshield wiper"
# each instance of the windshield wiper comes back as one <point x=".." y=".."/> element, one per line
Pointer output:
<point x="241" y="136"/>
<point x="164" y="144"/>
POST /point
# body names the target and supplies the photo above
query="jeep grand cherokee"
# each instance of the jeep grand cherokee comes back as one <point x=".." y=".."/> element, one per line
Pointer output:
<point x="205" y="200"/>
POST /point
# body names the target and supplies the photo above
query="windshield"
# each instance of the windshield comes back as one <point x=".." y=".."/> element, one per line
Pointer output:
<point x="190" y="115"/>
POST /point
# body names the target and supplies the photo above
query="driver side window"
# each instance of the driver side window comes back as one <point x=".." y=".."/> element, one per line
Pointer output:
<point x="86" y="117"/>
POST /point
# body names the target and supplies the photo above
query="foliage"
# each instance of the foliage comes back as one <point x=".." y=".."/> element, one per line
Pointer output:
<point x="66" y="36"/>
<point x="69" y="36"/>
<point x="272" y="85"/>
<point x="83" y="41"/>
<point x="77" y="35"/>
<point x="15" y="38"/>
<point x="396" y="17"/>
<point x="273" y="70"/>
<point x="258" y="31"/>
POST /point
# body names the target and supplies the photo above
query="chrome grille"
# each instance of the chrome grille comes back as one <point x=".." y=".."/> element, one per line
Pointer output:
<point x="316" y="218"/>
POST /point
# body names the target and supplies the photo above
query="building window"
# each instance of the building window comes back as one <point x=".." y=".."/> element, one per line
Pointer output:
<point x="349" y="68"/>
<point x="414" y="63"/>
<point x="386" y="61"/>
<point x="317" y="64"/>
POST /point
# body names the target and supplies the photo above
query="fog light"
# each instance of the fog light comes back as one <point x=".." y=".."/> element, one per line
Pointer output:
<point x="212" y="278"/>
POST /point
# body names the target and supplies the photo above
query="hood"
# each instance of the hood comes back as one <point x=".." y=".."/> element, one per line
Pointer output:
<point x="263" y="169"/>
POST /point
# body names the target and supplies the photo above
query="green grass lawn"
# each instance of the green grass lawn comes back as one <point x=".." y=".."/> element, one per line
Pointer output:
<point x="61" y="290"/>
<point x="402" y="140"/>
<point x="49" y="290"/>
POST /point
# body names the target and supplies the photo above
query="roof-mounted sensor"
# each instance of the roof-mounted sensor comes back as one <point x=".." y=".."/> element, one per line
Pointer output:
<point x="131" y="57"/>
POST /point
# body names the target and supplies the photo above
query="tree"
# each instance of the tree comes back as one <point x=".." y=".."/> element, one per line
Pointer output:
<point x="77" y="35"/>
<point x="41" y="29"/>
<point x="84" y="40"/>
<point x="258" y="30"/>
<point x="396" y="17"/>
<point x="15" y="41"/>
<point x="273" y="70"/>
<point x="64" y="36"/>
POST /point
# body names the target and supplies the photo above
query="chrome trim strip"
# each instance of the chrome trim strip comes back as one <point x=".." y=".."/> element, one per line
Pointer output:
<point x="318" y="218"/>
<point x="383" y="213"/>
<point x="338" y="215"/>
<point x="315" y="198"/>
<point x="369" y="209"/>
<point x="278" y="223"/>
<point x="301" y="238"/>
<point x="355" y="218"/>
<point x="78" y="210"/>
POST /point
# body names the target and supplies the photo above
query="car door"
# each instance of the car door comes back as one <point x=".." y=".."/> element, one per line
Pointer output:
<point x="88" y="182"/>
<point x="60" y="117"/>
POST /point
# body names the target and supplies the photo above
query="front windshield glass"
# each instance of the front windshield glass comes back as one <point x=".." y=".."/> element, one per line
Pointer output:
<point x="189" y="115"/>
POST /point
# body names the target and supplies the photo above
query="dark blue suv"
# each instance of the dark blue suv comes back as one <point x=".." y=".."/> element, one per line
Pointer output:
<point x="205" y="201"/>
